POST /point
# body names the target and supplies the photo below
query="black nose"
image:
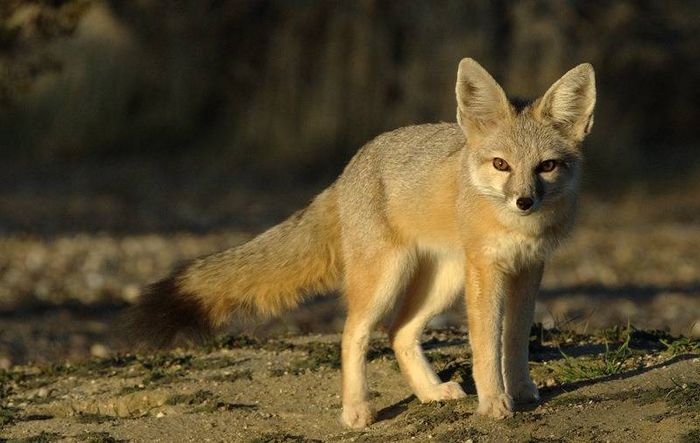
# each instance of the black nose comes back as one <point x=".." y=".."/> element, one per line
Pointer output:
<point x="524" y="203"/>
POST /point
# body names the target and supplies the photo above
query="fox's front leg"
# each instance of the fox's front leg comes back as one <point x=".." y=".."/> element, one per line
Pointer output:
<point x="485" y="291"/>
<point x="519" y="313"/>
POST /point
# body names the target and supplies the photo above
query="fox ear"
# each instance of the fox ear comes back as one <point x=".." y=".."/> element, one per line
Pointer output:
<point x="481" y="102"/>
<point x="569" y="102"/>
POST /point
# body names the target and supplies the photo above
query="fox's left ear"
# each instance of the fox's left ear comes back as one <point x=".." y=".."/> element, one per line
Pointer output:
<point x="569" y="102"/>
<point x="481" y="102"/>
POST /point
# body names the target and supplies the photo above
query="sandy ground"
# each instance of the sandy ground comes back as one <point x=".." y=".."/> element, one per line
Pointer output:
<point x="287" y="390"/>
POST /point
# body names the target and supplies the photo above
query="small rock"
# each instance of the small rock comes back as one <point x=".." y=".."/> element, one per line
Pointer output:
<point x="5" y="363"/>
<point x="130" y="292"/>
<point x="99" y="350"/>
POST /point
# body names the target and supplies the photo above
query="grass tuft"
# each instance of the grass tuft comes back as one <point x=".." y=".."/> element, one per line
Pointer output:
<point x="682" y="345"/>
<point x="8" y="415"/>
<point x="612" y="362"/>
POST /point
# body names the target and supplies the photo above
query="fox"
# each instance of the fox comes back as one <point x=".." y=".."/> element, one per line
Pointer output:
<point x="418" y="216"/>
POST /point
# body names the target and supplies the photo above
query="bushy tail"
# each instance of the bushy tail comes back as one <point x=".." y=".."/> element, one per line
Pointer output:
<point x="263" y="277"/>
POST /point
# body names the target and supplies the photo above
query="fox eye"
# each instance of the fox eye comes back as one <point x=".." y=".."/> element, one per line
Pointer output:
<point x="501" y="164"/>
<point x="547" y="166"/>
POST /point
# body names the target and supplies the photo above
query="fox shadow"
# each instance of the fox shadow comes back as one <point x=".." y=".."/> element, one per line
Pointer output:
<point x="462" y="369"/>
<point x="549" y="393"/>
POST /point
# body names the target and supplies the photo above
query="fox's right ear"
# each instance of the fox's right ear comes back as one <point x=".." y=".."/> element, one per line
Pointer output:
<point x="569" y="102"/>
<point x="481" y="102"/>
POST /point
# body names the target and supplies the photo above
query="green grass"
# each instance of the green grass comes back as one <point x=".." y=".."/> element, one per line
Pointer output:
<point x="612" y="362"/>
<point x="8" y="415"/>
<point x="682" y="345"/>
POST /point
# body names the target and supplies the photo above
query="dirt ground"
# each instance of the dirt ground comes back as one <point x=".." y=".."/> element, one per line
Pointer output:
<point x="287" y="390"/>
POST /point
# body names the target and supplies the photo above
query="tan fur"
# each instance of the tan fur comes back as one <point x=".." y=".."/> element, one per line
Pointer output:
<point x="308" y="264"/>
<point x="418" y="214"/>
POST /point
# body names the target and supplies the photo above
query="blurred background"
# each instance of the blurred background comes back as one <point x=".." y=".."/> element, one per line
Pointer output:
<point x="137" y="134"/>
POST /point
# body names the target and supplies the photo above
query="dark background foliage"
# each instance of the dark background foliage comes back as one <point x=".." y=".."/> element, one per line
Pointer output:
<point x="291" y="89"/>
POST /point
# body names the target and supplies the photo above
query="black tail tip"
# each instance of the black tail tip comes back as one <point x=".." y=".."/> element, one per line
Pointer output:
<point x="163" y="315"/>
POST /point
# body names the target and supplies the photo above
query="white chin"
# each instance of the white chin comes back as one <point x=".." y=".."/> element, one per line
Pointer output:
<point x="520" y="212"/>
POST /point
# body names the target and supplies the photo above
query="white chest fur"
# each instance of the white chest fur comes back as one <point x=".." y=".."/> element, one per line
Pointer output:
<point x="514" y="250"/>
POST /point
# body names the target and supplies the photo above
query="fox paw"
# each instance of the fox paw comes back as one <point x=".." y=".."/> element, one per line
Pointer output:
<point x="525" y="392"/>
<point x="450" y="390"/>
<point x="497" y="406"/>
<point x="357" y="416"/>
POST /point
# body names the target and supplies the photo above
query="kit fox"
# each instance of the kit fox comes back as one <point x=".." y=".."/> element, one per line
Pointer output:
<point x="419" y="215"/>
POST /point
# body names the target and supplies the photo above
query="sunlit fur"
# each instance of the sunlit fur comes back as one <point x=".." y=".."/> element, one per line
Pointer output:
<point x="417" y="217"/>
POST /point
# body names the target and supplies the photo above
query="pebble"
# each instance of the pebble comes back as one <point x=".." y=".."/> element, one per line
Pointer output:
<point x="131" y="292"/>
<point x="5" y="363"/>
<point x="99" y="350"/>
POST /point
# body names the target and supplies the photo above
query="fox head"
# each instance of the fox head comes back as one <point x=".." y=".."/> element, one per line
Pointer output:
<point x="524" y="157"/>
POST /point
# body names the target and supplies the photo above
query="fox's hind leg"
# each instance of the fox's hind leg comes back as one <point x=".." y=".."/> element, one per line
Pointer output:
<point x="434" y="288"/>
<point x="373" y="280"/>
